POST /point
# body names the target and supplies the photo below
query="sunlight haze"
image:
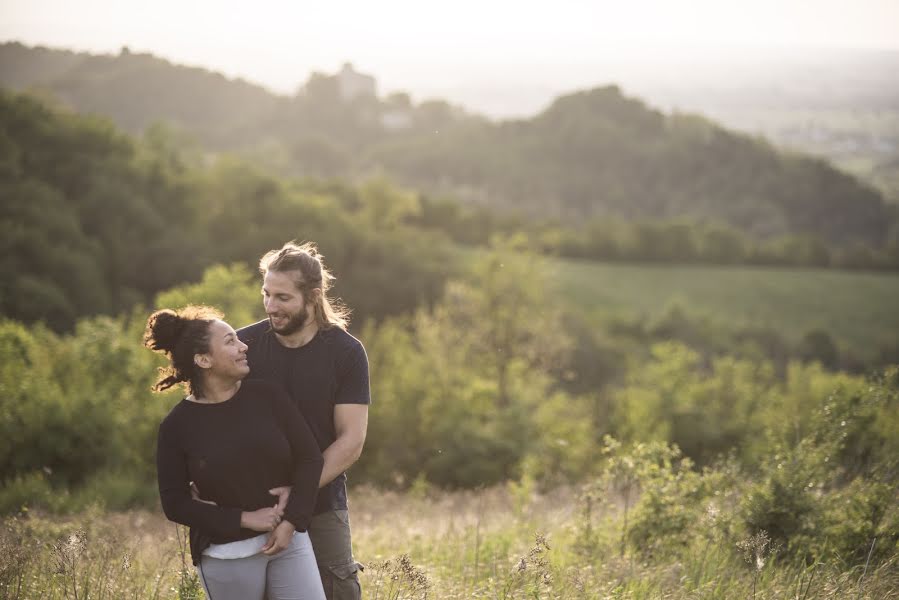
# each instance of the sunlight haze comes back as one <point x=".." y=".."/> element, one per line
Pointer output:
<point x="432" y="47"/>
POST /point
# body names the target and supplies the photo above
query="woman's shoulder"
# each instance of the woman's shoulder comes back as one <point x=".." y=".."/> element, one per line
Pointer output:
<point x="180" y="413"/>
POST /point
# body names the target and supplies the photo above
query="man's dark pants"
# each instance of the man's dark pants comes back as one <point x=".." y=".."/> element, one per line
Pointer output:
<point x="331" y="541"/>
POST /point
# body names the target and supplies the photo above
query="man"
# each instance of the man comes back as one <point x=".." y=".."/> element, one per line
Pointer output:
<point x="304" y="347"/>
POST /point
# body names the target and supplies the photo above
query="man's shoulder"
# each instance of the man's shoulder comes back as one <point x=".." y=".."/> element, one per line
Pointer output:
<point x="253" y="332"/>
<point x="345" y="343"/>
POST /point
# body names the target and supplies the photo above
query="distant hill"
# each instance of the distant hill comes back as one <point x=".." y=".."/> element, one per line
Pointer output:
<point x="137" y="90"/>
<point x="598" y="152"/>
<point x="841" y="104"/>
<point x="589" y="154"/>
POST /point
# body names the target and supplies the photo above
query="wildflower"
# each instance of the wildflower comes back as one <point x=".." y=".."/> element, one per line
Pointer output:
<point x="755" y="549"/>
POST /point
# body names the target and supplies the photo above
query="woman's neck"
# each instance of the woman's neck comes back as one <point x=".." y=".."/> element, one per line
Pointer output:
<point x="217" y="390"/>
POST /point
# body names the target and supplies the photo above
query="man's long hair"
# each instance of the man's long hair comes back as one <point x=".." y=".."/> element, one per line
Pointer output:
<point x="303" y="263"/>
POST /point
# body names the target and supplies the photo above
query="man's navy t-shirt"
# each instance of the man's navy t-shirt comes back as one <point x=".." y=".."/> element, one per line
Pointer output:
<point x="331" y="369"/>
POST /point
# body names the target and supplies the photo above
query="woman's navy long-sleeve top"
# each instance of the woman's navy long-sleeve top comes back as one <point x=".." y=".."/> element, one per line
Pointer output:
<point x="236" y="451"/>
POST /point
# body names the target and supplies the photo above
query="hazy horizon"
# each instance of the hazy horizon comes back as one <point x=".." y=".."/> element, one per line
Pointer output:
<point x="438" y="52"/>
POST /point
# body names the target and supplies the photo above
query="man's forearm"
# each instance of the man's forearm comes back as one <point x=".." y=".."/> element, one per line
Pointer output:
<point x="339" y="456"/>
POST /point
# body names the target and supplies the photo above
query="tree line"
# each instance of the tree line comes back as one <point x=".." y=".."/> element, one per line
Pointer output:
<point x="94" y="221"/>
<point x="591" y="154"/>
<point x="132" y="217"/>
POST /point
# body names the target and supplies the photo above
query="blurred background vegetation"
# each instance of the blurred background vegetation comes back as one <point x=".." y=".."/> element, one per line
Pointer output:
<point x="603" y="295"/>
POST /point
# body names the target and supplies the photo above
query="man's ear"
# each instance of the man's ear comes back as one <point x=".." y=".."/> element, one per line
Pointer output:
<point x="204" y="361"/>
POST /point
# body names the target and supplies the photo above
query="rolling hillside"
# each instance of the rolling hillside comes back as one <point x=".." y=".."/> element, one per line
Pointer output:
<point x="590" y="154"/>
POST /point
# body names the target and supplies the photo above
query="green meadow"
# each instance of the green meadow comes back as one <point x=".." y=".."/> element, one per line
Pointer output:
<point x="861" y="310"/>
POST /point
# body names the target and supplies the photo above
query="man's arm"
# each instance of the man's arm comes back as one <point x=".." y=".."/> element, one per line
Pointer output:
<point x="350" y="425"/>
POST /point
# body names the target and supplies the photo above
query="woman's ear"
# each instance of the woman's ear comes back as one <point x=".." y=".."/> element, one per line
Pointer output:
<point x="204" y="361"/>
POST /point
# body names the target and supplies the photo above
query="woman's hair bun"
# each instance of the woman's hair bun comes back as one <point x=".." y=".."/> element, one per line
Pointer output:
<point x="164" y="327"/>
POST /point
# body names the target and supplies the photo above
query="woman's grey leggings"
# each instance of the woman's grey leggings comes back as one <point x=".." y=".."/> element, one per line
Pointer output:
<point x="292" y="574"/>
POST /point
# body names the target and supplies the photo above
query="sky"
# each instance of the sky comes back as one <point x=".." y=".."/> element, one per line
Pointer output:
<point x="415" y="44"/>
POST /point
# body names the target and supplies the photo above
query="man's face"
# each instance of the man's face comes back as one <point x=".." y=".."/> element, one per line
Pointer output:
<point x="284" y="304"/>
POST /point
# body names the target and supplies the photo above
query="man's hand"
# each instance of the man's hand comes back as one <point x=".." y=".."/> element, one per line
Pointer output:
<point x="264" y="519"/>
<point x="279" y="538"/>
<point x="283" y="494"/>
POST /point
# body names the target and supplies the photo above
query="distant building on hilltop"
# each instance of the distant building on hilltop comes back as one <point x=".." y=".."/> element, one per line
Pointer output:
<point x="396" y="119"/>
<point x="353" y="85"/>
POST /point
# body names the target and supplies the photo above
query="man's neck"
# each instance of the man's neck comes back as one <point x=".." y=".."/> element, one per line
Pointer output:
<point x="299" y="338"/>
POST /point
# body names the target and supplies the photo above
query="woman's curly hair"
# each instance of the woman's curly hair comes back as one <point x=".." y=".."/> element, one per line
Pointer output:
<point x="180" y="335"/>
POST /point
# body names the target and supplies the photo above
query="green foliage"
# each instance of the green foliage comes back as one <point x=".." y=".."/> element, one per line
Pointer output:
<point x="834" y="491"/>
<point x="599" y="152"/>
<point x="818" y="346"/>
<point x="705" y="410"/>
<point x="809" y="499"/>
<point x="135" y="218"/>
<point x="463" y="389"/>
<point x="784" y="503"/>
<point x="76" y="413"/>
<point x="590" y="154"/>
<point x="384" y="207"/>
<point x="32" y="489"/>
<point x="862" y="519"/>
<point x="40" y="431"/>
<point x="80" y="202"/>
<point x="665" y="500"/>
<point x="232" y="289"/>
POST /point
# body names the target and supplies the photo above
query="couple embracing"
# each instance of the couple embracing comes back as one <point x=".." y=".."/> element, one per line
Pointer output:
<point x="253" y="460"/>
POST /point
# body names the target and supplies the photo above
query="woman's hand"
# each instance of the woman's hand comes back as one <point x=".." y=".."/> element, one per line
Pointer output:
<point x="283" y="494"/>
<point x="279" y="538"/>
<point x="264" y="519"/>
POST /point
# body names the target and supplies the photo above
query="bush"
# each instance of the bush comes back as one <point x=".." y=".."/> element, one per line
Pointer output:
<point x="856" y="516"/>
<point x="29" y="491"/>
<point x="785" y="503"/>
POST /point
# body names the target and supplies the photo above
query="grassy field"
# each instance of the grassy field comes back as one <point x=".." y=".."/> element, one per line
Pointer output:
<point x="861" y="310"/>
<point x="501" y="543"/>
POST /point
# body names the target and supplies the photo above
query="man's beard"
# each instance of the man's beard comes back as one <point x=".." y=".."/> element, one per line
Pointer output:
<point x="294" y="323"/>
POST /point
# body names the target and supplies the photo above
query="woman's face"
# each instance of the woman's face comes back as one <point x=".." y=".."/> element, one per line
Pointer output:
<point x="227" y="356"/>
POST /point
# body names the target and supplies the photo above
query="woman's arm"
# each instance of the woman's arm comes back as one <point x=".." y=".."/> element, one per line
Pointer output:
<point x="306" y="459"/>
<point x="174" y="491"/>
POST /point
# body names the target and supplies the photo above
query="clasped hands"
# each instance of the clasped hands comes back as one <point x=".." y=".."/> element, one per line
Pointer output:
<point x="269" y="518"/>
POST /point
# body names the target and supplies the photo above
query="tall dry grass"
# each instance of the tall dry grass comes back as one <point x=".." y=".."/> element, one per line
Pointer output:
<point x="501" y="543"/>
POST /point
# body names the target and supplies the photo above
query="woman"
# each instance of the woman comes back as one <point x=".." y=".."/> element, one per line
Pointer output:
<point x="235" y="440"/>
